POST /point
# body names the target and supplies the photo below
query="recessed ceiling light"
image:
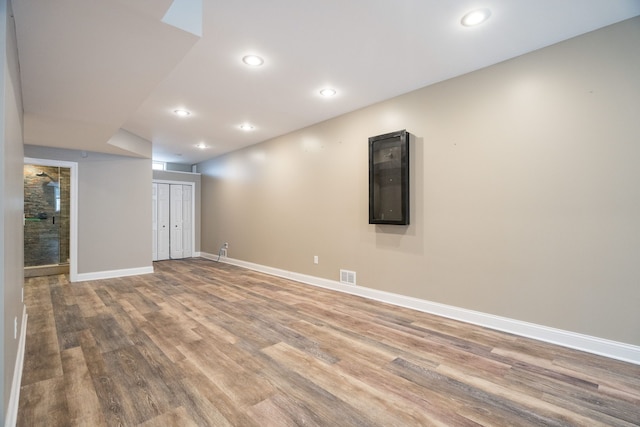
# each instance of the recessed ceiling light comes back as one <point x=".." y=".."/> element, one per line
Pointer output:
<point x="202" y="145"/>
<point x="253" y="60"/>
<point x="181" y="112"/>
<point x="475" y="17"/>
<point x="328" y="92"/>
<point x="246" y="126"/>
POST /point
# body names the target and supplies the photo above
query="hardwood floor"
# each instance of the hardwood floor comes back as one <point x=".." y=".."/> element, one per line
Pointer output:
<point x="199" y="343"/>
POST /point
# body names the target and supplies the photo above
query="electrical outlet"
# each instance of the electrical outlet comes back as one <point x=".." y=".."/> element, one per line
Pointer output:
<point x="315" y="259"/>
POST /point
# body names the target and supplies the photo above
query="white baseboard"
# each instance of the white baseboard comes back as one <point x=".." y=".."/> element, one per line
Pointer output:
<point x="110" y="274"/>
<point x="14" y="399"/>
<point x="603" y="347"/>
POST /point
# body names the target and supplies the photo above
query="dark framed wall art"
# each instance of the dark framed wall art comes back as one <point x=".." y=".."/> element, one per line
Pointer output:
<point x="389" y="178"/>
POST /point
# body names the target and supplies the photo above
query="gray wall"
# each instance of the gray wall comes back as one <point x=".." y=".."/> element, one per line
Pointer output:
<point x="114" y="208"/>
<point x="11" y="203"/>
<point x="114" y="211"/>
<point x="525" y="196"/>
<point x="186" y="177"/>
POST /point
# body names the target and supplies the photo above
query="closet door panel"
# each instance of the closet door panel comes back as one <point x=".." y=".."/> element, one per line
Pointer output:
<point x="187" y="225"/>
<point x="163" y="222"/>
<point x="177" y="237"/>
<point x="154" y="222"/>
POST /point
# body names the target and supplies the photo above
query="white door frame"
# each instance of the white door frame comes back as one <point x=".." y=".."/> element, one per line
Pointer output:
<point x="73" y="221"/>
<point x="193" y="207"/>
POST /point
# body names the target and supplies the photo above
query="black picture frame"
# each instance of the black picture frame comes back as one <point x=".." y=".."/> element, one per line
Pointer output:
<point x="389" y="178"/>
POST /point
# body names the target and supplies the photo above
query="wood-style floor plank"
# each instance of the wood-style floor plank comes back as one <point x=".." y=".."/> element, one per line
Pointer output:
<point x="82" y="400"/>
<point x="47" y="401"/>
<point x="199" y="343"/>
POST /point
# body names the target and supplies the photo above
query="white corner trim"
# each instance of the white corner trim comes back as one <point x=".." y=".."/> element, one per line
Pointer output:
<point x="14" y="398"/>
<point x="600" y="346"/>
<point x="110" y="274"/>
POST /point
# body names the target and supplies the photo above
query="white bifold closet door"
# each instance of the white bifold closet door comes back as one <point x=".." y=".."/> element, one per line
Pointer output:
<point x="172" y="223"/>
<point x="162" y="221"/>
<point x="187" y="223"/>
<point x="177" y="235"/>
<point x="154" y="221"/>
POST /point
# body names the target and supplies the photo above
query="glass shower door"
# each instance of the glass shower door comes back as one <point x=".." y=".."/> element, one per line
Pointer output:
<point x="46" y="210"/>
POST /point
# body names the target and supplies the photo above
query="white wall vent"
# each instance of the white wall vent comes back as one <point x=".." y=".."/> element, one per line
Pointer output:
<point x="348" y="277"/>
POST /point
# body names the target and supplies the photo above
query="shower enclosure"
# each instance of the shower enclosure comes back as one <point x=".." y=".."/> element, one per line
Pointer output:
<point x="46" y="219"/>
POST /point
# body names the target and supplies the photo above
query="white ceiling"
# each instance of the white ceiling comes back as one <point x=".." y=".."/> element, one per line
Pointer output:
<point x="90" y="68"/>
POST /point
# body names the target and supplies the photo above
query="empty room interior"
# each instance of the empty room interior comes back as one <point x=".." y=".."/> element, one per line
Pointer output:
<point x="356" y="213"/>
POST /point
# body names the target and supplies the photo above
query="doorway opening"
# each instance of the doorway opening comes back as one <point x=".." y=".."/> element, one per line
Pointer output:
<point x="49" y="220"/>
